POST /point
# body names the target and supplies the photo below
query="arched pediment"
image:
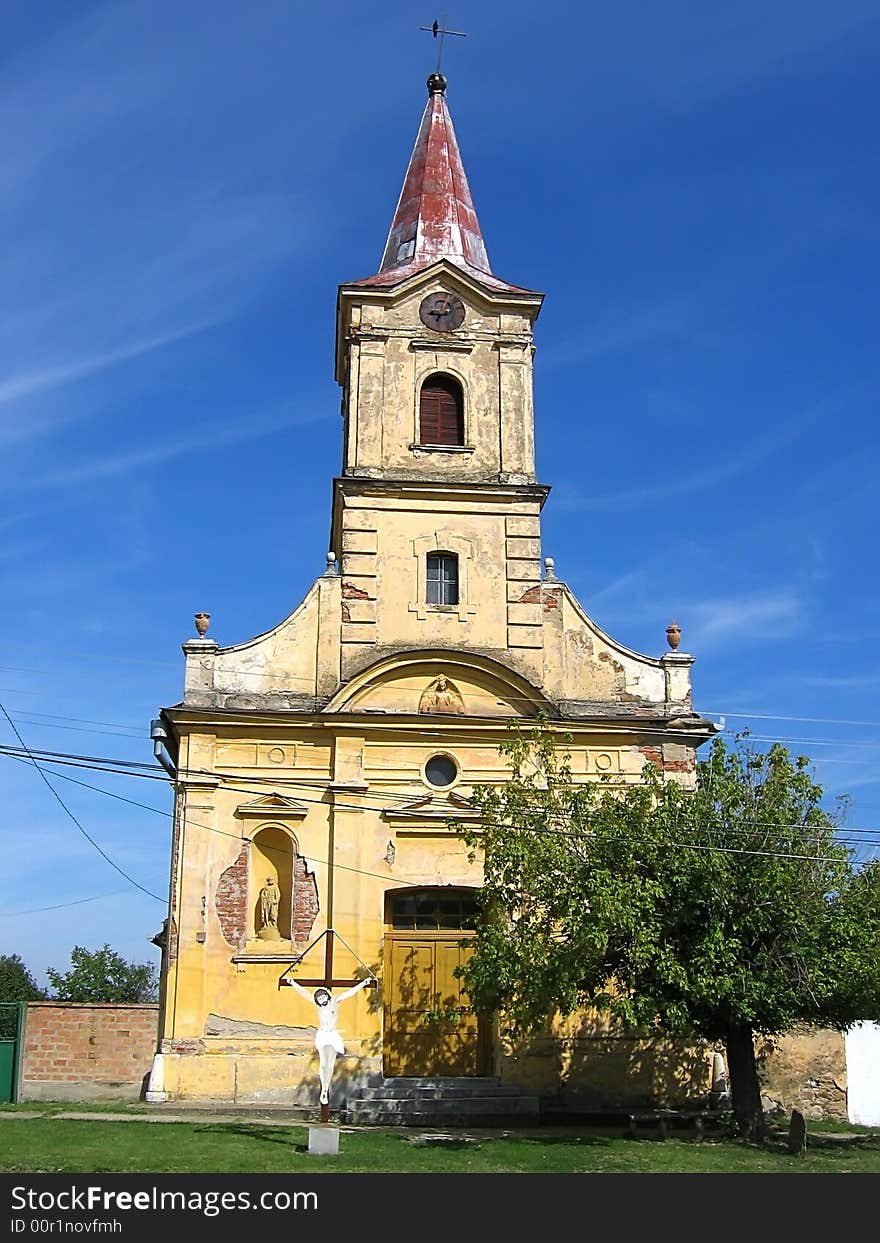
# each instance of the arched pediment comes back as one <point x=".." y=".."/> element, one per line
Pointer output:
<point x="441" y="683"/>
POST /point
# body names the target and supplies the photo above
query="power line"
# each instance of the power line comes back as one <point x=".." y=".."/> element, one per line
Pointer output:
<point x="275" y="781"/>
<point x="290" y="677"/>
<point x="83" y="761"/>
<point x="84" y="656"/>
<point x="819" y="742"/>
<point x="509" y="697"/>
<point x="239" y="837"/>
<point x="52" y="716"/>
<point x="764" y="716"/>
<point x="415" y="815"/>
<point x="133" y="730"/>
<point x="59" y="906"/>
<point x="77" y="729"/>
<point x="411" y="881"/>
<point x="69" y="813"/>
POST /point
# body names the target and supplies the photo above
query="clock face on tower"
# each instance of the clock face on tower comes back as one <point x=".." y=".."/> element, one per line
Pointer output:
<point x="443" y="312"/>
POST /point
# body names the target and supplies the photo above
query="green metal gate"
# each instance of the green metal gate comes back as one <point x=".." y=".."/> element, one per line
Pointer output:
<point x="10" y="1038"/>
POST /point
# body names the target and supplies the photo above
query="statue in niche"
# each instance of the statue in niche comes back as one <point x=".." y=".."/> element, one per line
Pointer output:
<point x="270" y="900"/>
<point x="441" y="696"/>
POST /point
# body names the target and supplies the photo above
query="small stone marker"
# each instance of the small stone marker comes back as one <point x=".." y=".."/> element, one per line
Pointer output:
<point x="797" y="1133"/>
<point x="324" y="1141"/>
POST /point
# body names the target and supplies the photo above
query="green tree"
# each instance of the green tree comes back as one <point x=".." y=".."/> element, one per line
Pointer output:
<point x="104" y="975"/>
<point x="16" y="982"/>
<point x="725" y="913"/>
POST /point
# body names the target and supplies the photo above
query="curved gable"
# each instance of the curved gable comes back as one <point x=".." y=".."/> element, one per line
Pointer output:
<point x="441" y="683"/>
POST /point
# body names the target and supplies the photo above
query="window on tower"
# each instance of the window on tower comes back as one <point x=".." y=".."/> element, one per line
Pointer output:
<point x="441" y="411"/>
<point x="442" y="578"/>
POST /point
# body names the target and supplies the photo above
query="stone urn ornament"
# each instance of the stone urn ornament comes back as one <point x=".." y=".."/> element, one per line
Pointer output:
<point x="673" y="635"/>
<point x="203" y="621"/>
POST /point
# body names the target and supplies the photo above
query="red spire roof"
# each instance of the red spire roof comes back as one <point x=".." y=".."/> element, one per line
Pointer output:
<point x="435" y="217"/>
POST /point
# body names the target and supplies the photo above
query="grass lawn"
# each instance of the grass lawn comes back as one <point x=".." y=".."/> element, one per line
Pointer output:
<point x="48" y="1144"/>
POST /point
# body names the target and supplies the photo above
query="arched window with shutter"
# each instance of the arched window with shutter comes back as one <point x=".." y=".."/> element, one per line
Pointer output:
<point x="441" y="411"/>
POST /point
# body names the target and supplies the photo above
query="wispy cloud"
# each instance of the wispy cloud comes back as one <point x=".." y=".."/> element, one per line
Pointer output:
<point x="216" y="436"/>
<point x="761" y="450"/>
<point x="628" y="585"/>
<point x="25" y="385"/>
<point x="730" y="50"/>
<point x="688" y="314"/>
<point x="621" y="328"/>
<point x="712" y="476"/>
<point x="869" y="681"/>
<point x="131" y="214"/>
<point x="758" y="617"/>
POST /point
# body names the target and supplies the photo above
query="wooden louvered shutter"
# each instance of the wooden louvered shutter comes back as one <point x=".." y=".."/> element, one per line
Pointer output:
<point x="441" y="419"/>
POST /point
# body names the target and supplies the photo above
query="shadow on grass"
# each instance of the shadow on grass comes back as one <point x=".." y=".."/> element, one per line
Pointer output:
<point x="267" y="1134"/>
<point x="550" y="1141"/>
<point x="285" y="1137"/>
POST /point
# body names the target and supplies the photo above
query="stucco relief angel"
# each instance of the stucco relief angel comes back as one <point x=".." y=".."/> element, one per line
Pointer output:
<point x="441" y="696"/>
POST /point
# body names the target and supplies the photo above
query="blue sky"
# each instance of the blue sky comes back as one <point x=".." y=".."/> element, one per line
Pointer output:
<point x="182" y="188"/>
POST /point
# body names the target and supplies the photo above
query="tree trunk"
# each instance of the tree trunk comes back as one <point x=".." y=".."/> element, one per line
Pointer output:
<point x="745" y="1088"/>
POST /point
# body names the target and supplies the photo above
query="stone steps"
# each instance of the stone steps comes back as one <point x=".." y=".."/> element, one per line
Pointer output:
<point x="441" y="1102"/>
<point x="506" y="1092"/>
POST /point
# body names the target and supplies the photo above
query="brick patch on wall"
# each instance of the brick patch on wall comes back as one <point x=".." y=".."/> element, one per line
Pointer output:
<point x="305" y="900"/>
<point x="231" y="899"/>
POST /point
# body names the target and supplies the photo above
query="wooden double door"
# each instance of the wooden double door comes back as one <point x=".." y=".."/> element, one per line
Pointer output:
<point x="430" y="1027"/>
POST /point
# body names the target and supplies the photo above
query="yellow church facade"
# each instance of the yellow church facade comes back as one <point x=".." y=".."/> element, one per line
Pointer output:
<point x="317" y="766"/>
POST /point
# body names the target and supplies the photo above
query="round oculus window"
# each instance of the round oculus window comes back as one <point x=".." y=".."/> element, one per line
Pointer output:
<point x="441" y="770"/>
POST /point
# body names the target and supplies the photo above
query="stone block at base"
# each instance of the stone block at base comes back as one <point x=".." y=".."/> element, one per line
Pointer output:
<point x="324" y="1141"/>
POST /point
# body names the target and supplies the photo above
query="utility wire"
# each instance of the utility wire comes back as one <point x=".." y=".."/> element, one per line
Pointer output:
<point x="126" y="730"/>
<point x="85" y="761"/>
<point x="411" y="881"/>
<point x="54" y="716"/>
<point x="511" y="697"/>
<point x="59" y="906"/>
<point x="734" y="850"/>
<point x="77" y="729"/>
<point x="69" y="813"/>
<point x="843" y="832"/>
<point x="766" y="716"/>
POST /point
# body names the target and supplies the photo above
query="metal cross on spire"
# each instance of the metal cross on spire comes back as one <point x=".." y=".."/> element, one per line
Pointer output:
<point x="440" y="32"/>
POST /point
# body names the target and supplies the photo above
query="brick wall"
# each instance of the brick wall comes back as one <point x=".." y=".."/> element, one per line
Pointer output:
<point x="82" y="1052"/>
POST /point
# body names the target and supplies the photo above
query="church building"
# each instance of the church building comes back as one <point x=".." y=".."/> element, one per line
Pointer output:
<point x="317" y="766"/>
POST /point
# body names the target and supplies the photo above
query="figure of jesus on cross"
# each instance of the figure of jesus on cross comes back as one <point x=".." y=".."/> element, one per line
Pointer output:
<point x="328" y="1040"/>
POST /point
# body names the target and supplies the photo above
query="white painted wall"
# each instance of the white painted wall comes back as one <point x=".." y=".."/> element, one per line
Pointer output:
<point x="863" y="1074"/>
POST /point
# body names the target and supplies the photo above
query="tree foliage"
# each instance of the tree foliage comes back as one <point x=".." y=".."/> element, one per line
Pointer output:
<point x="104" y="975"/>
<point x="16" y="982"/>
<point x="725" y="912"/>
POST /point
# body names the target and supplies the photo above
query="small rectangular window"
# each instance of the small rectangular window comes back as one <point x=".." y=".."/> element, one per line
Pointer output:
<point x="442" y="578"/>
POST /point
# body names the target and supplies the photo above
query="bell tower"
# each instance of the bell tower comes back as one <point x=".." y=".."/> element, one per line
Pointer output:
<point x="436" y="515"/>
